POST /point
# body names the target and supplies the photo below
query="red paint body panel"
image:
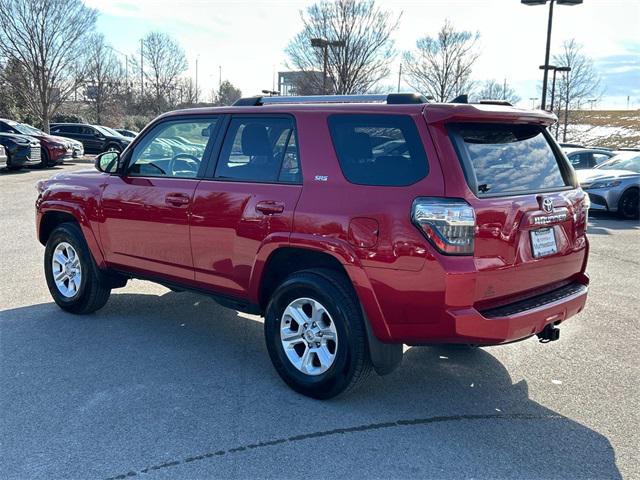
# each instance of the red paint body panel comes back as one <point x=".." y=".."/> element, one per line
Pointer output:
<point x="221" y="237"/>
<point x="227" y="230"/>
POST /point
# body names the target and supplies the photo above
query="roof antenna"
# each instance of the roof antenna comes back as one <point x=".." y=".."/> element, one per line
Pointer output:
<point x="464" y="98"/>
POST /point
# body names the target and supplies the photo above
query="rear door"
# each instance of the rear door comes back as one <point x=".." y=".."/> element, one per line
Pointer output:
<point x="246" y="199"/>
<point x="530" y="218"/>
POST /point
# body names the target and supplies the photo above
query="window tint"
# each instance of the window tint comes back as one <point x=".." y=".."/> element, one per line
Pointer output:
<point x="599" y="158"/>
<point x="378" y="149"/>
<point x="66" y="129"/>
<point x="507" y="158"/>
<point x="172" y="149"/>
<point x="581" y="160"/>
<point x="260" y="150"/>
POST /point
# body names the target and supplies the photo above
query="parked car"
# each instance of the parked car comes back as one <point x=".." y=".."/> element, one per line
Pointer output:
<point x="3" y="157"/>
<point x="582" y="158"/>
<point x="94" y="138"/>
<point x="21" y="150"/>
<point x="126" y="133"/>
<point x="475" y="235"/>
<point x="613" y="186"/>
<point x="54" y="150"/>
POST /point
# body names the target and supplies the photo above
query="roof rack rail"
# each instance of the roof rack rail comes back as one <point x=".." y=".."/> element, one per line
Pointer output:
<point x="496" y="102"/>
<point x="389" y="99"/>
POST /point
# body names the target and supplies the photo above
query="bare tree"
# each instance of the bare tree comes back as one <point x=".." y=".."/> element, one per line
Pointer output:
<point x="494" y="90"/>
<point x="574" y="88"/>
<point x="441" y="66"/>
<point x="164" y="62"/>
<point x="227" y="94"/>
<point x="362" y="47"/>
<point x="44" y="38"/>
<point x="104" y="78"/>
<point x="186" y="92"/>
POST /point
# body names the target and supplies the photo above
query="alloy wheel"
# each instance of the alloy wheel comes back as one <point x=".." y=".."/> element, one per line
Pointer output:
<point x="309" y="336"/>
<point x="66" y="269"/>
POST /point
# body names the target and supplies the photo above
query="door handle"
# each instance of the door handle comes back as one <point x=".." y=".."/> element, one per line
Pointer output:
<point x="270" y="207"/>
<point x="176" y="199"/>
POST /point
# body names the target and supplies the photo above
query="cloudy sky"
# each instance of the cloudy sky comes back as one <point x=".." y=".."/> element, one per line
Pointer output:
<point x="247" y="38"/>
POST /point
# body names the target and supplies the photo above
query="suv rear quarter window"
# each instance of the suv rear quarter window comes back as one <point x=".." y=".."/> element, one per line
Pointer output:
<point x="508" y="158"/>
<point x="383" y="150"/>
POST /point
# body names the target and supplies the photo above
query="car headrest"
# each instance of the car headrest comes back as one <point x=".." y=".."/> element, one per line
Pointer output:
<point x="255" y="140"/>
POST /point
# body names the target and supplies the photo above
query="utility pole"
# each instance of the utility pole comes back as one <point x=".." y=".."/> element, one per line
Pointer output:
<point x="196" y="79"/>
<point x="504" y="89"/>
<point x="141" y="68"/>
<point x="220" y="77"/>
<point x="399" y="76"/>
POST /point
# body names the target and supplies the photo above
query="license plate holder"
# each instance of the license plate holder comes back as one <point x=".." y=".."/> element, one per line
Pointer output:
<point x="543" y="242"/>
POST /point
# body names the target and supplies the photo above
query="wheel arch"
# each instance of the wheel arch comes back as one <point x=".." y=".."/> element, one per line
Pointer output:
<point x="284" y="261"/>
<point x="50" y="218"/>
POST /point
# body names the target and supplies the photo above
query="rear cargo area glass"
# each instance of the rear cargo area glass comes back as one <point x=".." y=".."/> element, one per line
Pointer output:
<point x="507" y="159"/>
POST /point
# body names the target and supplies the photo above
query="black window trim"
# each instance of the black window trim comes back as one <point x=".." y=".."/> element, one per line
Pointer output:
<point x="378" y="114"/>
<point x="206" y="156"/>
<point x="209" y="174"/>
<point x="564" y="164"/>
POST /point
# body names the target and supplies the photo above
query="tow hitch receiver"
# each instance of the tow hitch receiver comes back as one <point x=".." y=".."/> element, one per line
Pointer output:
<point x="549" y="334"/>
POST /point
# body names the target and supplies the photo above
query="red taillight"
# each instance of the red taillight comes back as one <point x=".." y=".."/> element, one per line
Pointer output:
<point x="449" y="224"/>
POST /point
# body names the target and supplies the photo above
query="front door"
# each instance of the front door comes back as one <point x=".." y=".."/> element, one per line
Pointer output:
<point x="146" y="211"/>
<point x="251" y="196"/>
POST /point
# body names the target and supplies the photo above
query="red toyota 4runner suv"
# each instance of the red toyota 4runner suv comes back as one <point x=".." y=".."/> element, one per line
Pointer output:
<point x="352" y="224"/>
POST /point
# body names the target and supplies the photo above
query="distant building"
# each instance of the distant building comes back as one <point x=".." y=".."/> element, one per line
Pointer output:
<point x="299" y="83"/>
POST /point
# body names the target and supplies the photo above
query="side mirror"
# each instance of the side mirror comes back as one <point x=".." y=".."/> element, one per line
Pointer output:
<point x="108" y="162"/>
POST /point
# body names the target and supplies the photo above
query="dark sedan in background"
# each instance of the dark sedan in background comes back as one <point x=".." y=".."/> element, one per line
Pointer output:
<point x="21" y="150"/>
<point x="54" y="150"/>
<point x="95" y="138"/>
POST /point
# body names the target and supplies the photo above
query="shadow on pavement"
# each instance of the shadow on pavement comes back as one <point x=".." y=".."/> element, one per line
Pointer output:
<point x="178" y="387"/>
<point x="600" y="223"/>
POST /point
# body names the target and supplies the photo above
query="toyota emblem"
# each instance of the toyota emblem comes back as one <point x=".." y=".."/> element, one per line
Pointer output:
<point x="547" y="205"/>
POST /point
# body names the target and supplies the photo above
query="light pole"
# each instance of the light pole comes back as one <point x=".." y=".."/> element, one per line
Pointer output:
<point x="325" y="44"/>
<point x="533" y="102"/>
<point x="543" y="103"/>
<point x="553" y="81"/>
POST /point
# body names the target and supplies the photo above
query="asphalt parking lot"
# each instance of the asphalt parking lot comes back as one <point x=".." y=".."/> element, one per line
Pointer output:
<point x="170" y="385"/>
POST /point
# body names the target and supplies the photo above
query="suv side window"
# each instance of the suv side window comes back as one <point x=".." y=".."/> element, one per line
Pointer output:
<point x="173" y="149"/>
<point x="378" y="149"/>
<point x="260" y="149"/>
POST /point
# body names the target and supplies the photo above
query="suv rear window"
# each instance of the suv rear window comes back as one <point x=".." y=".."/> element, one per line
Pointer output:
<point x="378" y="149"/>
<point x="507" y="158"/>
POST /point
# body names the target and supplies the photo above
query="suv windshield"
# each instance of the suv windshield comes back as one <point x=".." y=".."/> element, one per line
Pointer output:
<point x="106" y="131"/>
<point x="507" y="158"/>
<point x="622" y="162"/>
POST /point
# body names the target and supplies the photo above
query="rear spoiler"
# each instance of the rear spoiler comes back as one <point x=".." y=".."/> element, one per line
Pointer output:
<point x="485" y="112"/>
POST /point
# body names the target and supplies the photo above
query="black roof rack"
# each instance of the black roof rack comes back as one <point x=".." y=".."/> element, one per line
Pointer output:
<point x="389" y="99"/>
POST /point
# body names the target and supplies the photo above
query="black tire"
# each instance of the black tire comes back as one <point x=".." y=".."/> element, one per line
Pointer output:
<point x="352" y="363"/>
<point x="628" y="206"/>
<point x="94" y="289"/>
<point x="44" y="158"/>
<point x="11" y="166"/>
<point x="113" y="147"/>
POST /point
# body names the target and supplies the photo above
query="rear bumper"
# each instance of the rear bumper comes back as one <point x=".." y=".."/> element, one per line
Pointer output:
<point x="511" y="323"/>
<point x="469" y="325"/>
